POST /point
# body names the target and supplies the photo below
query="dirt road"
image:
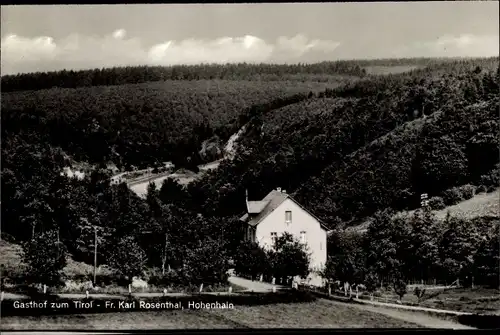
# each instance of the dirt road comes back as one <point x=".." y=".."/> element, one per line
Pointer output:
<point x="419" y="318"/>
<point x="255" y="286"/>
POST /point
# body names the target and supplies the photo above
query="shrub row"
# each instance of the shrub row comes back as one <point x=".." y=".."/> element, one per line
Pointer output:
<point x="454" y="195"/>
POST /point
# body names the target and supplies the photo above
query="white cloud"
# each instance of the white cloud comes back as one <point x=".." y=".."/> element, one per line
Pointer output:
<point x="222" y="50"/>
<point x="465" y="45"/>
<point x="43" y="53"/>
<point x="26" y="49"/>
<point x="21" y="54"/>
<point x="119" y="34"/>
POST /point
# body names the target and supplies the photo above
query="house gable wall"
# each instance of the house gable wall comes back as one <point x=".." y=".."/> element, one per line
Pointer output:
<point x="301" y="221"/>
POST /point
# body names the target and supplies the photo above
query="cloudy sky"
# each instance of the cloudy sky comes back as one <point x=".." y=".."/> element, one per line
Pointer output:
<point x="41" y="38"/>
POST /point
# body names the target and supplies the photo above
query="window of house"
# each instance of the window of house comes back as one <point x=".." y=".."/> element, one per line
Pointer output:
<point x="274" y="236"/>
<point x="288" y="217"/>
<point x="250" y="234"/>
<point x="303" y="238"/>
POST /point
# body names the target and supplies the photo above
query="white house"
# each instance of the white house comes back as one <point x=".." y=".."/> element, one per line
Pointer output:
<point x="278" y="213"/>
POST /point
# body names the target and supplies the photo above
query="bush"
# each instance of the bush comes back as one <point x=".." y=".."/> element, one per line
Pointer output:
<point x="251" y="260"/>
<point x="289" y="258"/>
<point x="419" y="293"/>
<point x="77" y="286"/>
<point x="128" y="257"/>
<point x="400" y="288"/>
<point x="7" y="237"/>
<point x="207" y="264"/>
<point x="103" y="280"/>
<point x="452" y="196"/>
<point x="491" y="179"/>
<point x="491" y="188"/>
<point x="371" y="283"/>
<point x="45" y="259"/>
<point x="436" y="203"/>
<point x="170" y="278"/>
<point x="467" y="191"/>
<point x="481" y="189"/>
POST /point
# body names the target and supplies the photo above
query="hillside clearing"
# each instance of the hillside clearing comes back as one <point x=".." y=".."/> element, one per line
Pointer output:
<point x="482" y="204"/>
<point x="11" y="260"/>
<point x="381" y="70"/>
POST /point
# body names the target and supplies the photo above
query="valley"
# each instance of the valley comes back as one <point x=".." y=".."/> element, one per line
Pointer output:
<point x="356" y="143"/>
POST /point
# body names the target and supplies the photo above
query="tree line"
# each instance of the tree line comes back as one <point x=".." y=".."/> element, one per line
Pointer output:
<point x="404" y="248"/>
<point x="142" y="74"/>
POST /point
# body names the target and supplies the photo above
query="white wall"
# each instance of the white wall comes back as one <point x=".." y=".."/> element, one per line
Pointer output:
<point x="301" y="221"/>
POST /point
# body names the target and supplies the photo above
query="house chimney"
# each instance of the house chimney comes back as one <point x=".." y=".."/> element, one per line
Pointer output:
<point x="278" y="189"/>
<point x="246" y="201"/>
<point x="283" y="191"/>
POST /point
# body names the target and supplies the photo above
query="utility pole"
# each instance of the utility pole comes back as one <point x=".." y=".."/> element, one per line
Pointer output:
<point x="164" y="254"/>
<point x="58" y="242"/>
<point x="95" y="255"/>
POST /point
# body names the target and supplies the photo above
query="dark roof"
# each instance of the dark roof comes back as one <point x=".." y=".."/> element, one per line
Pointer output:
<point x="270" y="203"/>
<point x="255" y="207"/>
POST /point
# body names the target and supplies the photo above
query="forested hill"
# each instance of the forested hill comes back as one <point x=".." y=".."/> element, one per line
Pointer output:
<point x="141" y="74"/>
<point x="143" y="124"/>
<point x="319" y="72"/>
<point x="375" y="144"/>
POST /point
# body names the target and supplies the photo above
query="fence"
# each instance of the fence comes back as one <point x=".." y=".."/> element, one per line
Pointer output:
<point x="427" y="282"/>
<point x="418" y="282"/>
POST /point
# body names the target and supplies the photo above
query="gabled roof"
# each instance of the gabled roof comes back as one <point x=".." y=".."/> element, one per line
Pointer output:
<point x="255" y="207"/>
<point x="272" y="201"/>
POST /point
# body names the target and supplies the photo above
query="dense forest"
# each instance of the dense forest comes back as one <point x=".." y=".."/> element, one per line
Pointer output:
<point x="137" y="75"/>
<point x="400" y="136"/>
<point x="347" y="148"/>
<point x="146" y="123"/>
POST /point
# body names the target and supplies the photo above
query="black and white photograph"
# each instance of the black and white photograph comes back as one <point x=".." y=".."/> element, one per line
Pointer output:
<point x="250" y="166"/>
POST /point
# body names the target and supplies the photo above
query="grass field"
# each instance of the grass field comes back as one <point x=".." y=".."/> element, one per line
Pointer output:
<point x="381" y="70"/>
<point x="482" y="204"/>
<point x="12" y="265"/>
<point x="318" y="314"/>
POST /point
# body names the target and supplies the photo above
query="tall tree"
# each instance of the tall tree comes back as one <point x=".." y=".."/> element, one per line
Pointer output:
<point x="127" y="257"/>
<point x="289" y="258"/>
<point x="45" y="256"/>
<point x="487" y="259"/>
<point x="251" y="259"/>
<point x="457" y="247"/>
<point x="423" y="244"/>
